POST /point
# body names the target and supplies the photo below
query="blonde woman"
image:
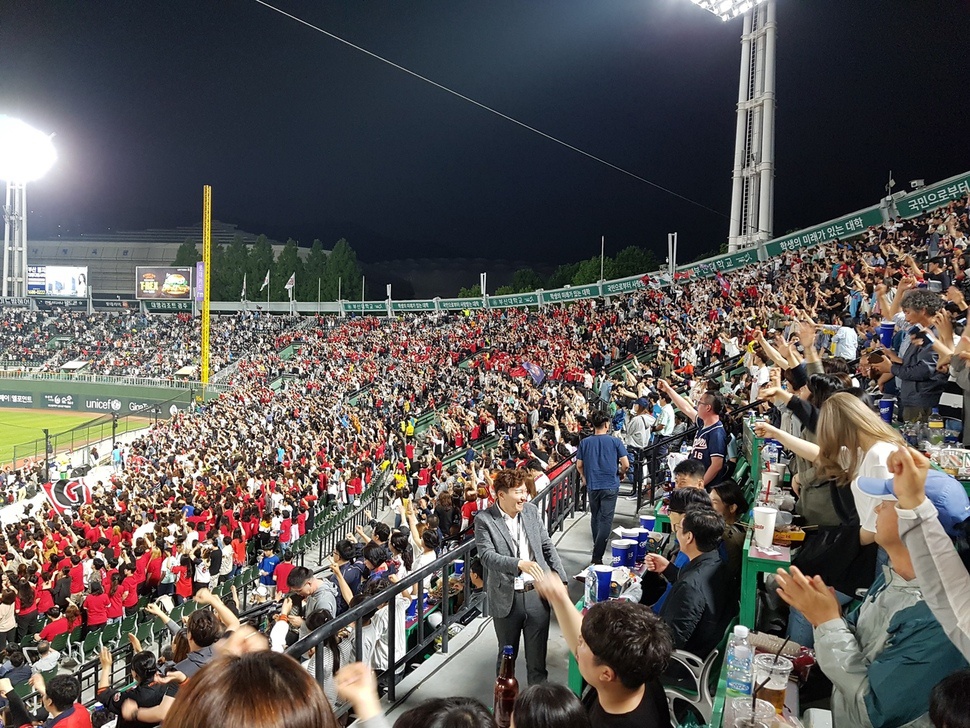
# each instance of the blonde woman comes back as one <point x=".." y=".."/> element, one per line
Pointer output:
<point x="853" y="442"/>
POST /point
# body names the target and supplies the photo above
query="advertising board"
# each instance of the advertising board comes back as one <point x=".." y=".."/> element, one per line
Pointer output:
<point x="156" y="283"/>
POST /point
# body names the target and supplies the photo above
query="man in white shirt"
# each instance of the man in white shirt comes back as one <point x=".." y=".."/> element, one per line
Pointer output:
<point x="846" y="340"/>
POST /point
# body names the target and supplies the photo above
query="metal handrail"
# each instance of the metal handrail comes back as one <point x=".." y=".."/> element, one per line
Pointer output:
<point x="556" y="502"/>
<point x="109" y="379"/>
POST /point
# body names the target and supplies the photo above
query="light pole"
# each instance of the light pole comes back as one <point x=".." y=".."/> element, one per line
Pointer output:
<point x="753" y="177"/>
<point x="25" y="155"/>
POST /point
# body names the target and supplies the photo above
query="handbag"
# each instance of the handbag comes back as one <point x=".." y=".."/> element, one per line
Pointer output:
<point x="834" y="552"/>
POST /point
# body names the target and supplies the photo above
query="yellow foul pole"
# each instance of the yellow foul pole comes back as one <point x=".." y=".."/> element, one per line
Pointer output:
<point x="206" y="273"/>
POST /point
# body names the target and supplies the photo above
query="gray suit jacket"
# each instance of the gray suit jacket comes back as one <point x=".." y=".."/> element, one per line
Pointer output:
<point x="497" y="552"/>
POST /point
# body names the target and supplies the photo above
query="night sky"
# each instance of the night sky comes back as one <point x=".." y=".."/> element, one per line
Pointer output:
<point x="302" y="136"/>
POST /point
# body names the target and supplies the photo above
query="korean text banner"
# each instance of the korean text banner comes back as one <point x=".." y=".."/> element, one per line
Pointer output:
<point x="157" y="283"/>
<point x="929" y="198"/>
<point x="843" y="227"/>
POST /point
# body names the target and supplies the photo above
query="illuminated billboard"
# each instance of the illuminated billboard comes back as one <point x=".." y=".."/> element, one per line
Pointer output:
<point x="153" y="283"/>
<point x="57" y="280"/>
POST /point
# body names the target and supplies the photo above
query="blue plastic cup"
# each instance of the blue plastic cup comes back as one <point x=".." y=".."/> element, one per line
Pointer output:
<point x="604" y="574"/>
<point x="621" y="549"/>
<point x="886" y="407"/>
<point x="459" y="567"/>
<point x="643" y="544"/>
<point x="648" y="522"/>
<point x="886" y="329"/>
<point x="412" y="609"/>
<point x="630" y="555"/>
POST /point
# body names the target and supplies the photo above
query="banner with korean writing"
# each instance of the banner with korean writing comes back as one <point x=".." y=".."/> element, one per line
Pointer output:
<point x="425" y="305"/>
<point x="625" y="285"/>
<point x="168" y="306"/>
<point x="929" y="198"/>
<point x="571" y="294"/>
<point x="719" y="264"/>
<point x="460" y="304"/>
<point x="514" y="300"/>
<point x="365" y="306"/>
<point x="843" y="227"/>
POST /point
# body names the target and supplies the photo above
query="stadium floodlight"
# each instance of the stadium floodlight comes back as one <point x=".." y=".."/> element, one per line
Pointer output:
<point x="727" y="9"/>
<point x="753" y="177"/>
<point x="26" y="155"/>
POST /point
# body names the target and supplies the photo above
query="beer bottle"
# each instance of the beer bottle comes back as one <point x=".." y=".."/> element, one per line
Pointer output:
<point x="506" y="689"/>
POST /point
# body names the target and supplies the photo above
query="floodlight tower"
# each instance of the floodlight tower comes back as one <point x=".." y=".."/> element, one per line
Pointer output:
<point x="752" y="196"/>
<point x="25" y="155"/>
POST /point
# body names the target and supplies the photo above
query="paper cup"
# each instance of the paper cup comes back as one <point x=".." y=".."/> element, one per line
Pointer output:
<point x="777" y="468"/>
<point x="604" y="575"/>
<point x="764" y="525"/>
<point x="622" y="551"/>
<point x="459" y="567"/>
<point x="412" y="609"/>
<point x="648" y="522"/>
<point x="770" y="479"/>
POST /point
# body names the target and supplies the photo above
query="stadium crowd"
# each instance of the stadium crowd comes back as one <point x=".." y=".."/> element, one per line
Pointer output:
<point x="129" y="343"/>
<point x="207" y="493"/>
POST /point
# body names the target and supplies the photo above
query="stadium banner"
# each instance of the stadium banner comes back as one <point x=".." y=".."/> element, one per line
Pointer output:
<point x="52" y="304"/>
<point x="168" y="306"/>
<point x="114" y="304"/>
<point x="515" y="300"/>
<point x="57" y="280"/>
<point x="199" y="281"/>
<point x="11" y="302"/>
<point x="416" y="305"/>
<point x="719" y="264"/>
<point x="843" y="227"/>
<point x="625" y="285"/>
<point x="929" y="198"/>
<point x="90" y="397"/>
<point x="364" y="306"/>
<point x="163" y="283"/>
<point x="560" y="295"/>
<point x="460" y="304"/>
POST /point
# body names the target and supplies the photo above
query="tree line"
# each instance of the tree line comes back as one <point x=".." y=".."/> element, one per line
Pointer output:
<point x="630" y="261"/>
<point x="322" y="271"/>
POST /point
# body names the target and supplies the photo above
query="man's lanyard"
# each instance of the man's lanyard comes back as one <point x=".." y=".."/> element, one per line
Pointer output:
<point x="517" y="536"/>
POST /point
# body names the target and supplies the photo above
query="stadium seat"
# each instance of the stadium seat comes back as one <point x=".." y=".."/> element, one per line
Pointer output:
<point x="109" y="635"/>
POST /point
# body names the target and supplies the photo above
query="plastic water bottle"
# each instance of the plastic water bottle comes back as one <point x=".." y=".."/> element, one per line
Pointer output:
<point x="684" y="448"/>
<point x="739" y="656"/>
<point x="935" y="427"/>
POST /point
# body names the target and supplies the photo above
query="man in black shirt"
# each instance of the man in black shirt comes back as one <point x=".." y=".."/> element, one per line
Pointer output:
<point x="621" y="648"/>
<point x="701" y="601"/>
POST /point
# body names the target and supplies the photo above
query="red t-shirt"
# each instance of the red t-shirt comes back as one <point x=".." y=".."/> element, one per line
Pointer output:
<point x="52" y="629"/>
<point x="77" y="579"/>
<point x="281" y="572"/>
<point x="96" y="605"/>
<point x="130" y="585"/>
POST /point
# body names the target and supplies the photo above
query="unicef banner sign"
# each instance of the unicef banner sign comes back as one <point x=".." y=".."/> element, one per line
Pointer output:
<point x="123" y="405"/>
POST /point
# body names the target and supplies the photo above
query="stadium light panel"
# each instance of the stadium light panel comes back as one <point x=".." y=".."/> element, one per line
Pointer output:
<point x="727" y="9"/>
<point x="26" y="154"/>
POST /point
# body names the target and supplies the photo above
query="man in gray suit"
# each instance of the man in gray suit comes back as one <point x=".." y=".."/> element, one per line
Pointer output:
<point x="516" y="551"/>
